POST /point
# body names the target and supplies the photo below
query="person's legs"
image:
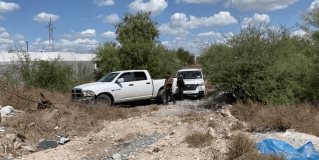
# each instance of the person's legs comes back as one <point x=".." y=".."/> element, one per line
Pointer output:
<point x="167" y="94"/>
<point x="172" y="97"/>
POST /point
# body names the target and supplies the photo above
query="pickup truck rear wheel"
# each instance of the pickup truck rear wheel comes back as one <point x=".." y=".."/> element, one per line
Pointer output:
<point x="104" y="99"/>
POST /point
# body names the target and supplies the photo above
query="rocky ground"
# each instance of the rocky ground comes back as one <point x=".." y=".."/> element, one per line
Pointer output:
<point x="158" y="134"/>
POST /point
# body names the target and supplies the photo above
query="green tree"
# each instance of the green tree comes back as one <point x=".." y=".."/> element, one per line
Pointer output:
<point x="107" y="58"/>
<point x="262" y="64"/>
<point x="185" y="57"/>
<point x="138" y="37"/>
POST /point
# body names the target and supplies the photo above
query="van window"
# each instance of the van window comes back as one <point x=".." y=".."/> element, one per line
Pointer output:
<point x="140" y="76"/>
<point x="191" y="74"/>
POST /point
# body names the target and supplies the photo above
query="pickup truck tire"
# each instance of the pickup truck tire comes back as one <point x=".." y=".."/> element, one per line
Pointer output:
<point x="161" y="96"/>
<point x="104" y="99"/>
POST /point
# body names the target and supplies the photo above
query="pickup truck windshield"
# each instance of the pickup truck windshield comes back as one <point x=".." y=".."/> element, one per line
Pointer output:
<point x="191" y="74"/>
<point x="108" y="78"/>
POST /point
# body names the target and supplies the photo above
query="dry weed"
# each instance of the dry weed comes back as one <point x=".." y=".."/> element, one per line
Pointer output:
<point x="198" y="139"/>
<point x="303" y="118"/>
<point x="192" y="116"/>
<point x="243" y="148"/>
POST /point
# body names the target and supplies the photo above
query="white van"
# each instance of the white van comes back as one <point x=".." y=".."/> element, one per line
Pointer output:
<point x="194" y="82"/>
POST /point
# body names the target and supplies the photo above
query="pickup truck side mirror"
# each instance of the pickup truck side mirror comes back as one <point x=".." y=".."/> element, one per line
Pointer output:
<point x="120" y="80"/>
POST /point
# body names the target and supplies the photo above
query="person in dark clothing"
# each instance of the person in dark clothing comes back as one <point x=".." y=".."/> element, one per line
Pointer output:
<point x="180" y="85"/>
<point x="168" y="88"/>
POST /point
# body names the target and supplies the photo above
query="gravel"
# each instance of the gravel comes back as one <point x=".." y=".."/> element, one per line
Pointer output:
<point x="123" y="151"/>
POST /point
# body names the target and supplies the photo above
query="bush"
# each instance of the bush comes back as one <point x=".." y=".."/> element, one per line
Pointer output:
<point x="262" y="64"/>
<point x="52" y="75"/>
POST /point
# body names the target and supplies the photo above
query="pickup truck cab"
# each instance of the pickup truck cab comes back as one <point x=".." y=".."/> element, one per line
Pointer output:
<point x="194" y="82"/>
<point x="121" y="86"/>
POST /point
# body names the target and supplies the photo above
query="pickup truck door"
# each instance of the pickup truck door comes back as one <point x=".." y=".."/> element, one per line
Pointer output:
<point x="125" y="90"/>
<point x="143" y="85"/>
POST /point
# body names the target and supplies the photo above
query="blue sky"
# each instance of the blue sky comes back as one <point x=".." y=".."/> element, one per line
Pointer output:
<point x="80" y="25"/>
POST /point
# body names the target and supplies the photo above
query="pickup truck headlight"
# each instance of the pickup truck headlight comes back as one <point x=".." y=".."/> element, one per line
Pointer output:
<point x="88" y="93"/>
<point x="200" y="84"/>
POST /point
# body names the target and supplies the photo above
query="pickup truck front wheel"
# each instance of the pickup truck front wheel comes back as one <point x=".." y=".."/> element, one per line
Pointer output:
<point x="104" y="99"/>
<point x="161" y="96"/>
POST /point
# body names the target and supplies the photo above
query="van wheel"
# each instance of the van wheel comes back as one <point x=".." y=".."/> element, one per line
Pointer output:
<point x="161" y="96"/>
<point x="104" y="99"/>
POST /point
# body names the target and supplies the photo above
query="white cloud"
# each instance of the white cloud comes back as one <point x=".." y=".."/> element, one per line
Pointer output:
<point x="88" y="33"/>
<point x="109" y="34"/>
<point x="180" y="23"/>
<point x="112" y="19"/>
<point x="104" y="2"/>
<point x="153" y="6"/>
<point x="314" y="4"/>
<point x="179" y="42"/>
<point x="210" y="34"/>
<point x="299" y="33"/>
<point x="45" y="17"/>
<point x="198" y="1"/>
<point x="178" y="31"/>
<point x="256" y="20"/>
<point x="10" y="41"/>
<point x="260" y="5"/>
<point x="7" y="7"/>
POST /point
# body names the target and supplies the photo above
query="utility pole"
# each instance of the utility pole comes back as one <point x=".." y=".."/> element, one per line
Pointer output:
<point x="51" y="40"/>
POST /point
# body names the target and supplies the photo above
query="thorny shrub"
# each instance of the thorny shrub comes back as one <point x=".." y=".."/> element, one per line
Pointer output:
<point x="261" y="118"/>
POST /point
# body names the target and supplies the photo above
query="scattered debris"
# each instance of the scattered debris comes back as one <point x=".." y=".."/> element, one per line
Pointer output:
<point x="219" y="99"/>
<point x="63" y="138"/>
<point x="44" y="102"/>
<point x="7" y="111"/>
<point x="281" y="148"/>
<point x="46" y="144"/>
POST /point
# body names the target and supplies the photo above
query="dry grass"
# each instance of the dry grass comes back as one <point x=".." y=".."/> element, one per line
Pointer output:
<point x="302" y="118"/>
<point x="198" y="139"/>
<point x="243" y="148"/>
<point x="192" y="116"/>
<point x="75" y="119"/>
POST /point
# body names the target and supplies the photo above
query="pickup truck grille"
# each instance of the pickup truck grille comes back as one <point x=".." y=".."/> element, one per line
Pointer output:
<point x="76" y="93"/>
<point x="188" y="87"/>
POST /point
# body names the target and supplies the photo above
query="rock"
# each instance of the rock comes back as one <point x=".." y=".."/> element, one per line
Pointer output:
<point x="178" y="123"/>
<point x="2" y="129"/>
<point x="173" y="132"/>
<point x="56" y="127"/>
<point x="29" y="148"/>
<point x="156" y="149"/>
<point x="116" y="156"/>
<point x="16" y="145"/>
<point x="11" y="137"/>
<point x="8" y="156"/>
<point x="212" y="132"/>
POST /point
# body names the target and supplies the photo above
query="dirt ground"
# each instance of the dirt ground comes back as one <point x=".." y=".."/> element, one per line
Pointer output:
<point x="149" y="132"/>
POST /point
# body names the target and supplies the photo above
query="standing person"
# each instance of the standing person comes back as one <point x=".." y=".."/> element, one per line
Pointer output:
<point x="180" y="85"/>
<point x="168" y="87"/>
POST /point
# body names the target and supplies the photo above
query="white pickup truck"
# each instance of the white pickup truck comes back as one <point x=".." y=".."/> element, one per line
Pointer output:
<point x="121" y="86"/>
<point x="194" y="82"/>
